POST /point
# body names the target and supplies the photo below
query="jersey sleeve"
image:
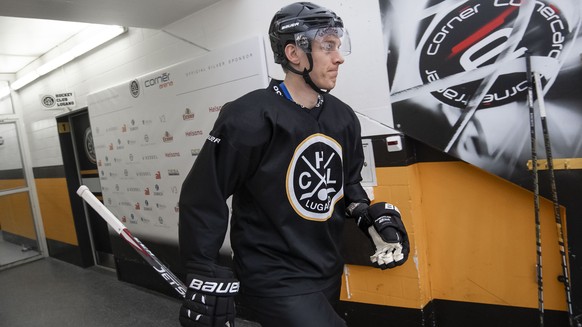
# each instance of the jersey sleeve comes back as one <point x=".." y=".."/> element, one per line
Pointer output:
<point x="354" y="192"/>
<point x="224" y="161"/>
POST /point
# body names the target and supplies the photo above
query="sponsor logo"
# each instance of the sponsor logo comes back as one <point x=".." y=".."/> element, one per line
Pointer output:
<point x="172" y="154"/>
<point x="475" y="35"/>
<point x="137" y="206"/>
<point x="162" y="81"/>
<point x="133" y="127"/>
<point x="157" y="191"/>
<point x="124" y="128"/>
<point x="133" y="189"/>
<point x="188" y="114"/>
<point x="143" y="174"/>
<point x="167" y="138"/>
<point x="146" y="191"/>
<point x="89" y="145"/>
<point x="134" y="88"/>
<point x="125" y="204"/>
<point x="158" y="175"/>
<point x="315" y="177"/>
<point x="214" y="108"/>
<point x="193" y="133"/>
<point x="195" y="152"/>
<point x="147" y="206"/>
<point x="173" y="172"/>
<point x="149" y="157"/>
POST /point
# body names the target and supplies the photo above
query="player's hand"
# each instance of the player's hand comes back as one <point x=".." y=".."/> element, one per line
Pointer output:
<point x="209" y="300"/>
<point x="381" y="222"/>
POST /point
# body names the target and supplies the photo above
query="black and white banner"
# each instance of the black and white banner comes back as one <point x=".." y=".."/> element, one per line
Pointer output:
<point x="457" y="76"/>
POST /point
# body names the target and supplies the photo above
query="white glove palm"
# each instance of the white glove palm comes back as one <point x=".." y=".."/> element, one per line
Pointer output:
<point x="386" y="253"/>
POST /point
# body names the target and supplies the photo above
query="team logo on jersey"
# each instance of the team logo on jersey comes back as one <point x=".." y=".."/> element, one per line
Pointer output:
<point x="315" y="177"/>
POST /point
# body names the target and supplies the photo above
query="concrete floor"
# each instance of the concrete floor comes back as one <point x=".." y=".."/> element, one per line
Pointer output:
<point x="51" y="293"/>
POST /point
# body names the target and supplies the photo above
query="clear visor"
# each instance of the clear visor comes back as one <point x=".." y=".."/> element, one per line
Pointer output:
<point x="328" y="39"/>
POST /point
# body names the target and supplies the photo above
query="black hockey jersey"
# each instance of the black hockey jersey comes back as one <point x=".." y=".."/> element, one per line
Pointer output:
<point x="291" y="174"/>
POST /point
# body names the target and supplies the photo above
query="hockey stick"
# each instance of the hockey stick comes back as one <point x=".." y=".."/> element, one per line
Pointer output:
<point x="120" y="229"/>
<point x="565" y="279"/>
<point x="536" y="186"/>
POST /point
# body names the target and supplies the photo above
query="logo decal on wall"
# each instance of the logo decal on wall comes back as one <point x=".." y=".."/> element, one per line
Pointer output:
<point x="134" y="88"/>
<point x="315" y="178"/>
<point x="89" y="146"/>
<point x="478" y="34"/>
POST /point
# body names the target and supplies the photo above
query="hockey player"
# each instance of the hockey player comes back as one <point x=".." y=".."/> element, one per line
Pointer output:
<point x="291" y="156"/>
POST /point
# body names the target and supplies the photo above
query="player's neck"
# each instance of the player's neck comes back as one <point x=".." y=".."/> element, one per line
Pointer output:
<point x="300" y="91"/>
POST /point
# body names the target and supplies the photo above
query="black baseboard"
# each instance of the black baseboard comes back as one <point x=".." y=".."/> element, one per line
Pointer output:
<point x="25" y="242"/>
<point x="457" y="314"/>
<point x="444" y="313"/>
<point x="68" y="253"/>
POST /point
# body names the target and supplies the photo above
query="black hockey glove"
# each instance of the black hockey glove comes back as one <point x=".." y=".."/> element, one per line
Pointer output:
<point x="381" y="222"/>
<point x="209" y="300"/>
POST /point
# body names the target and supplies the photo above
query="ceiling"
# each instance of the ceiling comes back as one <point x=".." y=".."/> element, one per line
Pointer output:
<point x="30" y="28"/>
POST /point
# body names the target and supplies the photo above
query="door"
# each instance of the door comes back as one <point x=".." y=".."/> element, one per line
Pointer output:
<point x="79" y="145"/>
<point x="19" y="230"/>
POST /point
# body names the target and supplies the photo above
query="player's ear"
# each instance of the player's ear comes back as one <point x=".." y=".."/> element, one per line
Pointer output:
<point x="292" y="53"/>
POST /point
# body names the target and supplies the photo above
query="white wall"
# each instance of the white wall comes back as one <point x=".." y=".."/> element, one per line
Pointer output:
<point x="362" y="83"/>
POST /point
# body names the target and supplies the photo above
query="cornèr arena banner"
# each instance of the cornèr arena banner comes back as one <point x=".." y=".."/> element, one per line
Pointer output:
<point x="148" y="131"/>
<point x="457" y="77"/>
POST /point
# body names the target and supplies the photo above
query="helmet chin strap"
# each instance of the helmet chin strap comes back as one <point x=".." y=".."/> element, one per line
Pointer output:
<point x="306" y="76"/>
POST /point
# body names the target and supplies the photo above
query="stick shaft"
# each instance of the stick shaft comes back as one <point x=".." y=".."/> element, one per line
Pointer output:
<point x="557" y="214"/>
<point x="135" y="243"/>
<point x="535" y="180"/>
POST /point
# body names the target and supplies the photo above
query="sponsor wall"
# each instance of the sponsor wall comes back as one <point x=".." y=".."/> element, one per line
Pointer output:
<point x="148" y="131"/>
<point x="457" y="77"/>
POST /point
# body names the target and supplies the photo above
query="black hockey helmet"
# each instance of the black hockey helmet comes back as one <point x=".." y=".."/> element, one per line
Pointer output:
<point x="301" y="23"/>
<point x="296" y="18"/>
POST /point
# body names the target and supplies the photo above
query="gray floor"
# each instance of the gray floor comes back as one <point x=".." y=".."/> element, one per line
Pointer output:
<point x="51" y="293"/>
<point x="10" y="252"/>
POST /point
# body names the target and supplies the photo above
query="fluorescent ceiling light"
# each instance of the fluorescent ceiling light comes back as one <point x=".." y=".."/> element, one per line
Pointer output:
<point x="31" y="76"/>
<point x="99" y="35"/>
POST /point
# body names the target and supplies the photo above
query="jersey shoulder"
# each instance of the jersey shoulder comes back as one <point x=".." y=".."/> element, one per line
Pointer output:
<point x="246" y="118"/>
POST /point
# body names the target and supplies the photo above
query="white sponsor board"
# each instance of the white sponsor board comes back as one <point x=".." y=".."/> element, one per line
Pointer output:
<point x="148" y="131"/>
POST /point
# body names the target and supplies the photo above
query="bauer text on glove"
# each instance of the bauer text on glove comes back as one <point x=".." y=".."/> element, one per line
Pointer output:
<point x="209" y="300"/>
